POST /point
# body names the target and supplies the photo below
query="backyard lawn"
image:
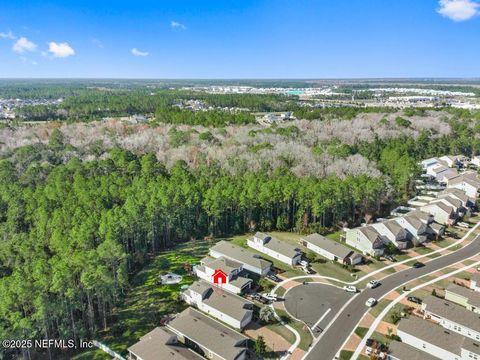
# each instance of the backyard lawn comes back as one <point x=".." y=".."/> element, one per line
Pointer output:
<point x="147" y="301"/>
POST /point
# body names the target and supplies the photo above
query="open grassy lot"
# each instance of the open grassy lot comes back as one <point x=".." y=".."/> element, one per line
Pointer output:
<point x="147" y="301"/>
<point x="335" y="270"/>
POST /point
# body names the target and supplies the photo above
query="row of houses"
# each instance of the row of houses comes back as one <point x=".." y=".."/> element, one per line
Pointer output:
<point x="445" y="171"/>
<point x="414" y="227"/>
<point x="426" y="220"/>
<point x="450" y="329"/>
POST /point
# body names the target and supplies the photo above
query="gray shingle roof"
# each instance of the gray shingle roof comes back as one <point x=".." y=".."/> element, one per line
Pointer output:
<point x="453" y="312"/>
<point x="278" y="246"/>
<point x="370" y="233"/>
<point x="223" y="301"/>
<point x="224" y="264"/>
<point x="432" y="333"/>
<point x="404" y="351"/>
<point x="240" y="254"/>
<point x="209" y="333"/>
<point x="473" y="297"/>
<point x="333" y="247"/>
<point x="161" y="344"/>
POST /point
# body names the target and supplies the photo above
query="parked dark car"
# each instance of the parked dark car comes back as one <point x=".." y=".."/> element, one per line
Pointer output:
<point x="273" y="277"/>
<point x="390" y="258"/>
<point x="418" y="265"/>
<point x="414" y="299"/>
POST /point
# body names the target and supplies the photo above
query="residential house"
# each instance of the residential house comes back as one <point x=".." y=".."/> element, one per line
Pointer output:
<point x="467" y="202"/>
<point x="475" y="160"/>
<point x="436" y="341"/>
<point x="275" y="248"/>
<point x="428" y="163"/>
<point x="452" y="201"/>
<point x="452" y="317"/>
<point x="475" y="282"/>
<point x="395" y="233"/>
<point x="209" y="337"/>
<point x="367" y="240"/>
<point x="433" y="229"/>
<point x="222" y="305"/>
<point x="250" y="261"/>
<point x="464" y="296"/>
<point x="437" y="171"/>
<point x="401" y="351"/>
<point x="446" y="176"/>
<point x="418" y="229"/>
<point x="452" y="161"/>
<point x="442" y="213"/>
<point x="160" y="344"/>
<point x="330" y="249"/>
<point x="468" y="183"/>
<point x="235" y="282"/>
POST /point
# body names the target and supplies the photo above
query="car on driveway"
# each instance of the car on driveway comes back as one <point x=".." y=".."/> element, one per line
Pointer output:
<point x="273" y="277"/>
<point x="463" y="225"/>
<point x="418" y="265"/>
<point x="303" y="263"/>
<point x="390" y="258"/>
<point x="414" y="299"/>
<point x="270" y="297"/>
<point x="372" y="284"/>
<point x="371" y="302"/>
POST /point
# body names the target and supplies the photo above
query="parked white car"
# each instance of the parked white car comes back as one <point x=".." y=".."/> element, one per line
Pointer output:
<point x="270" y="297"/>
<point x="371" y="302"/>
<point x="350" y="288"/>
<point x="463" y="225"/>
<point x="304" y="263"/>
<point x="373" y="284"/>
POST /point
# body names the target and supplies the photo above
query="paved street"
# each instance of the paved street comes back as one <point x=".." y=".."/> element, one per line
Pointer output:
<point x="332" y="339"/>
<point x="315" y="304"/>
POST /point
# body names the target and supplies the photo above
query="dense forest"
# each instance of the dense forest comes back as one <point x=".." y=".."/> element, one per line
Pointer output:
<point x="72" y="233"/>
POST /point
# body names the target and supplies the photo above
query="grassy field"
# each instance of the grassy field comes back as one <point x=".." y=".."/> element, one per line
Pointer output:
<point x="146" y="302"/>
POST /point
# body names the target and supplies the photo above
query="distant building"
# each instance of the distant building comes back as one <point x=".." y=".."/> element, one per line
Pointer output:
<point x="275" y="248"/>
<point x="330" y="249"/>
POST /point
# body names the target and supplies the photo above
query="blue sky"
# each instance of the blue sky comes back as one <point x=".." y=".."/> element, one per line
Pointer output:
<point x="240" y="38"/>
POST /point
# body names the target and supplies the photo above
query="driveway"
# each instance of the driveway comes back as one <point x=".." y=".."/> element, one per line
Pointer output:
<point x="315" y="304"/>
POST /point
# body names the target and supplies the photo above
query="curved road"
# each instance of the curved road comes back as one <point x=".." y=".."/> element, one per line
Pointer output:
<point x="331" y="341"/>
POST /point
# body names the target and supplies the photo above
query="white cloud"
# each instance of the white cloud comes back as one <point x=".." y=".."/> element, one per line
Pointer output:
<point x="23" y="45"/>
<point x="136" y="52"/>
<point x="176" y="25"/>
<point x="459" y="10"/>
<point x="60" y="50"/>
<point x="7" y="35"/>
